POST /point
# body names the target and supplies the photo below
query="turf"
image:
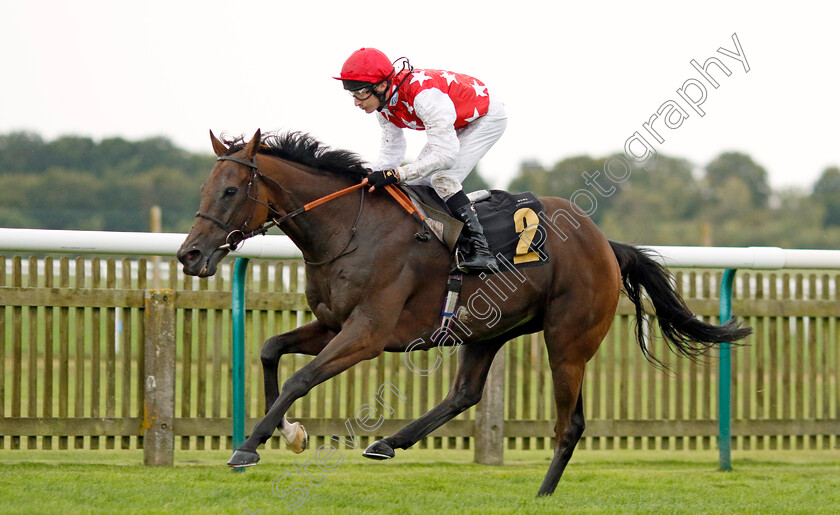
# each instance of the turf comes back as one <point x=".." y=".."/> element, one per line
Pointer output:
<point x="420" y="481"/>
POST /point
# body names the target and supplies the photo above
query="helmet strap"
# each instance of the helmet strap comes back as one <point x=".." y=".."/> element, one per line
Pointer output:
<point x="383" y="100"/>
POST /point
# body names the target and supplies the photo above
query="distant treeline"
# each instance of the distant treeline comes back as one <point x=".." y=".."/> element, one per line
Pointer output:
<point x="77" y="183"/>
<point x="728" y="202"/>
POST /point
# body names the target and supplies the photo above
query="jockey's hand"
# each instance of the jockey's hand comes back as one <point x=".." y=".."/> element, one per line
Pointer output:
<point x="382" y="178"/>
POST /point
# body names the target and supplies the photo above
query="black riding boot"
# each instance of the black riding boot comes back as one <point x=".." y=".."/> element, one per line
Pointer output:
<point x="481" y="258"/>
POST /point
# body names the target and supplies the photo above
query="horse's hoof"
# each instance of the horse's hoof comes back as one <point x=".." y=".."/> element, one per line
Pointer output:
<point x="298" y="444"/>
<point x="243" y="459"/>
<point x="379" y="450"/>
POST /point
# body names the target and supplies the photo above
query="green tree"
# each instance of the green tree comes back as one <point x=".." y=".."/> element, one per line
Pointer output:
<point x="795" y="223"/>
<point x="23" y="152"/>
<point x="17" y="207"/>
<point x="655" y="206"/>
<point x="132" y="197"/>
<point x="174" y="191"/>
<point x="563" y="180"/>
<point x="69" y="200"/>
<point x="114" y="152"/>
<point x="75" y="182"/>
<point x="826" y="193"/>
<point x="736" y="164"/>
<point x="671" y="192"/>
<point x="531" y="177"/>
<point x="475" y="182"/>
<point x="75" y="153"/>
<point x="567" y="176"/>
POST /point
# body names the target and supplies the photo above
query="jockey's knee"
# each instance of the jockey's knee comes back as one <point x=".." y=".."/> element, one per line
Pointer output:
<point x="445" y="185"/>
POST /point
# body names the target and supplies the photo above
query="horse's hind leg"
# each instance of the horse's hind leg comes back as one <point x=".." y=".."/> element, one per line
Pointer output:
<point x="473" y="365"/>
<point x="567" y="432"/>
<point x="567" y="356"/>
<point x="309" y="339"/>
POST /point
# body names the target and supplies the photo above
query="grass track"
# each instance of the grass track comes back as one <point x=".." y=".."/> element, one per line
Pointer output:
<point x="423" y="481"/>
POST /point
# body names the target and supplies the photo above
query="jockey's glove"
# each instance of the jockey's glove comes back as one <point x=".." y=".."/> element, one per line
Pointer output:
<point x="380" y="178"/>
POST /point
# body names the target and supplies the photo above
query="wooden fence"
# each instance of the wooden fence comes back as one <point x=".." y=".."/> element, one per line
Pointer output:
<point x="72" y="366"/>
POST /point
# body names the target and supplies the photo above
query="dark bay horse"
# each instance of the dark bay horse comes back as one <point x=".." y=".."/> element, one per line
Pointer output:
<point x="374" y="287"/>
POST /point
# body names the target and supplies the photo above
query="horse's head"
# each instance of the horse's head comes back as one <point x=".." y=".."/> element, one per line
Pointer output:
<point x="231" y="206"/>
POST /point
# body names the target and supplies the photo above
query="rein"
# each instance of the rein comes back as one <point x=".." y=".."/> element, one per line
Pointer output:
<point x="236" y="236"/>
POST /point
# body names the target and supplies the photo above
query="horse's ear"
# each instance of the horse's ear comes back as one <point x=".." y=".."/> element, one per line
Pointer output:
<point x="218" y="147"/>
<point x="253" y="145"/>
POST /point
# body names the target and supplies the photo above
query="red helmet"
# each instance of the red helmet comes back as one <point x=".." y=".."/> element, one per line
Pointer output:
<point x="364" y="67"/>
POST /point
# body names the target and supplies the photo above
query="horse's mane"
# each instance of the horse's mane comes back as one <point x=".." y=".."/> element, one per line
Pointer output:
<point x="304" y="149"/>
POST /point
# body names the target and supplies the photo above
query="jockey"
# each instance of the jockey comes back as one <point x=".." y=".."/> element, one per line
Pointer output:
<point x="461" y="119"/>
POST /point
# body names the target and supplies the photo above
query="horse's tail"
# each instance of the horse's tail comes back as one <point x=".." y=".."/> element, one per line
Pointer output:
<point x="684" y="333"/>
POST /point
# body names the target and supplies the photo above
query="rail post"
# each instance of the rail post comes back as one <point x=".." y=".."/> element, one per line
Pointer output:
<point x="238" y="354"/>
<point x="725" y="376"/>
<point x="490" y="416"/>
<point x="159" y="378"/>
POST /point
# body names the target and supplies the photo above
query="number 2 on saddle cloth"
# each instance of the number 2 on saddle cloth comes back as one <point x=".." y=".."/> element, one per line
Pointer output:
<point x="511" y="225"/>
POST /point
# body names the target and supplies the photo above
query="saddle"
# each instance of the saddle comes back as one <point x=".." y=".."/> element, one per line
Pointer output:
<point x="510" y="220"/>
<point x="511" y="226"/>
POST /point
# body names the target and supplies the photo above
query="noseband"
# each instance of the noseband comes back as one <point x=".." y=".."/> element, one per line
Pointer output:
<point x="237" y="236"/>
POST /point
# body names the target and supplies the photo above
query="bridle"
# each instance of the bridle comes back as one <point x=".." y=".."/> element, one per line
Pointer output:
<point x="235" y="236"/>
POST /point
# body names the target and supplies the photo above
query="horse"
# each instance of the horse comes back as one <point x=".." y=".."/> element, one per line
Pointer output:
<point x="374" y="287"/>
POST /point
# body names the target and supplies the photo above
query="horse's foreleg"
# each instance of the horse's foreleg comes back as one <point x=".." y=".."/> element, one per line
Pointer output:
<point x="309" y="339"/>
<point x="473" y="365"/>
<point x="353" y="344"/>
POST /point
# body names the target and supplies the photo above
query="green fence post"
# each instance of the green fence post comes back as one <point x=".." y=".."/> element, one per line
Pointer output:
<point x="725" y="376"/>
<point x="238" y="353"/>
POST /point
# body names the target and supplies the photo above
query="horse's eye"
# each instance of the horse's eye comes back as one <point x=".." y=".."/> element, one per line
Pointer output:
<point x="230" y="192"/>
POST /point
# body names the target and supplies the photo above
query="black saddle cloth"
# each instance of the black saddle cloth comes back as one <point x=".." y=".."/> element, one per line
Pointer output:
<point x="511" y="224"/>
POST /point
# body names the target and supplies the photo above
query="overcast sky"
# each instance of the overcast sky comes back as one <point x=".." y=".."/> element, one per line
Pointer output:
<point x="578" y="78"/>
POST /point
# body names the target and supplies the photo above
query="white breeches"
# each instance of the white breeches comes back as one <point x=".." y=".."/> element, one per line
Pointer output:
<point x="475" y="140"/>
